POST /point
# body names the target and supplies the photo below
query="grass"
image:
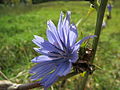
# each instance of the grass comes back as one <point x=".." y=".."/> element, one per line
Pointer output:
<point x="18" y="25"/>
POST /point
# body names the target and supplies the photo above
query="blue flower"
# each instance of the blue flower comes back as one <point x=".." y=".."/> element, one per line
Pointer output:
<point x="58" y="53"/>
<point x="109" y="6"/>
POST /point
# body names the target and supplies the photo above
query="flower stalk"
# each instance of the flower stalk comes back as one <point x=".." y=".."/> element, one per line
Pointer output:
<point x="100" y="16"/>
<point x="5" y="84"/>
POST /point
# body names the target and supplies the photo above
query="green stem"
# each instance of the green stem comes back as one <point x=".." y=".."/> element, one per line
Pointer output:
<point x="100" y="16"/>
<point x="3" y="75"/>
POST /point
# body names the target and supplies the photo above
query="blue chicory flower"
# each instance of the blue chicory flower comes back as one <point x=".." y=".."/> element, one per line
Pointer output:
<point x="58" y="53"/>
<point x="109" y="6"/>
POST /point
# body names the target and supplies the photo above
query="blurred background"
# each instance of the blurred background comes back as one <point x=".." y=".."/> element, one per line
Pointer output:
<point x="21" y="19"/>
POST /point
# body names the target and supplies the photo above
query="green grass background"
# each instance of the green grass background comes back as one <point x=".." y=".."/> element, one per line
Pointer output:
<point x="18" y="25"/>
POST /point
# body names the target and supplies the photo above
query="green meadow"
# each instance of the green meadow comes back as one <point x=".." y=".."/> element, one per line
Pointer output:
<point x="18" y="24"/>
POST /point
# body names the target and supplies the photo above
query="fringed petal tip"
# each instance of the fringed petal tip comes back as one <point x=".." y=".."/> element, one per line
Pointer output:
<point x="36" y="49"/>
<point x="41" y="58"/>
<point x="61" y="14"/>
<point x="69" y="13"/>
<point x="90" y="36"/>
<point x="48" y="22"/>
<point x="35" y="36"/>
<point x="34" y="60"/>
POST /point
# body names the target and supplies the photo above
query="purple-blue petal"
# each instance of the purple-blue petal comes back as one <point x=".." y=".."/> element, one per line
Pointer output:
<point x="53" y="35"/>
<point x="77" y="45"/>
<point x="41" y="73"/>
<point x="64" y="68"/>
<point x="41" y="51"/>
<point x="73" y="35"/>
<point x="60" y="25"/>
<point x="44" y="58"/>
<point x="66" y="27"/>
<point x="55" y="40"/>
<point x="39" y="67"/>
<point x="53" y="77"/>
<point x="74" y="57"/>
<point x="43" y="44"/>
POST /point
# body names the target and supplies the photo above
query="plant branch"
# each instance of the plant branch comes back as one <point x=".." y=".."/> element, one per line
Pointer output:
<point x="100" y="16"/>
<point x="7" y="85"/>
